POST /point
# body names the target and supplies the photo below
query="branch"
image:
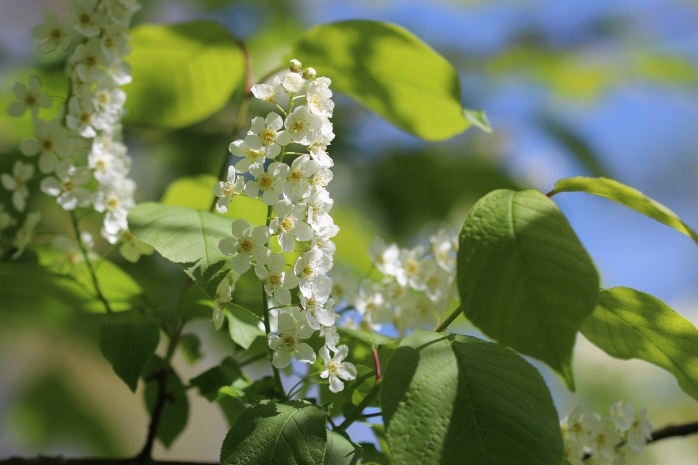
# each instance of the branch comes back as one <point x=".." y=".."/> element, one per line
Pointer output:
<point x="671" y="431"/>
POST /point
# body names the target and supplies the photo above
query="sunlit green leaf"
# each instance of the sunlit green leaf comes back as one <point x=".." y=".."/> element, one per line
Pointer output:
<point x="128" y="340"/>
<point x="277" y="433"/>
<point x="625" y="195"/>
<point x="182" y="73"/>
<point x="631" y="324"/>
<point x="185" y="236"/>
<point x="391" y="72"/>
<point x="197" y="192"/>
<point x="523" y="276"/>
<point x="451" y="399"/>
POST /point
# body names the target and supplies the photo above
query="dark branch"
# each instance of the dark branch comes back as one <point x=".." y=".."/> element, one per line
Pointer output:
<point x="672" y="431"/>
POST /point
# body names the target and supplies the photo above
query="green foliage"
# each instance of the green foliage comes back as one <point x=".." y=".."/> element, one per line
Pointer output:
<point x="182" y="73"/>
<point x="631" y="324"/>
<point x="49" y="411"/>
<point x="186" y="237"/>
<point x="628" y="196"/>
<point x="243" y="327"/>
<point x="279" y="433"/>
<point x="128" y="340"/>
<point x="171" y="397"/>
<point x="523" y="276"/>
<point x="444" y="401"/>
<point x="393" y="73"/>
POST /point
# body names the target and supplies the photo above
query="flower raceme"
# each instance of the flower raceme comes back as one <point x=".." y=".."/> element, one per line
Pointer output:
<point x="81" y="156"/>
<point x="283" y="161"/>
<point x="605" y="440"/>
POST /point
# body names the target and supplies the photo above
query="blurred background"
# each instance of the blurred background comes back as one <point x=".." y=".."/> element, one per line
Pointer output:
<point x="583" y="87"/>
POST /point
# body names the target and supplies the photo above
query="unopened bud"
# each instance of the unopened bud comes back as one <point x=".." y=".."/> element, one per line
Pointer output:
<point x="309" y="74"/>
<point x="296" y="66"/>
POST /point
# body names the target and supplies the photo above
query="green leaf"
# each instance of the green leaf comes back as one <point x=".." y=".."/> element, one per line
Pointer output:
<point x="391" y="72"/>
<point x="523" y="276"/>
<point x="272" y="433"/>
<point x="243" y="327"/>
<point x="187" y="237"/>
<point x="190" y="345"/>
<point x="50" y="408"/>
<point x="175" y="410"/>
<point x="59" y="300"/>
<point x="452" y="399"/>
<point x="128" y="340"/>
<point x="340" y="450"/>
<point x="197" y="192"/>
<point x="631" y="324"/>
<point x="627" y="196"/>
<point x="210" y="381"/>
<point x="182" y="73"/>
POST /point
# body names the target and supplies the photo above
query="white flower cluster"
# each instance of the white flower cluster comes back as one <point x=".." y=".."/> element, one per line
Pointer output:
<point x="283" y="161"/>
<point x="605" y="440"/>
<point x="417" y="285"/>
<point x="80" y="152"/>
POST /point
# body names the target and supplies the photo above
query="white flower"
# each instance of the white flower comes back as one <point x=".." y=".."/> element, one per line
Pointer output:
<point x="319" y="311"/>
<point x="371" y="305"/>
<point x="121" y="11"/>
<point x="269" y="133"/>
<point x="290" y="224"/>
<point x="385" y="257"/>
<point x="270" y="182"/>
<point x="246" y="244"/>
<point x="632" y="424"/>
<point x="336" y="369"/>
<point x="251" y="150"/>
<point x="267" y="92"/>
<point x="114" y="42"/>
<point x="303" y="125"/>
<point x="225" y="190"/>
<point x="28" y="97"/>
<point x="53" y="33"/>
<point x="410" y="270"/>
<point x="89" y="61"/>
<point x="108" y="160"/>
<point x="51" y="141"/>
<point x="70" y="251"/>
<point x="25" y="233"/>
<point x="292" y="83"/>
<point x="344" y="285"/>
<point x="277" y="280"/>
<point x="131" y="248"/>
<point x="6" y="220"/>
<point x="319" y="205"/>
<point x="298" y="184"/>
<point x="292" y="331"/>
<point x="86" y="18"/>
<point x="80" y="117"/>
<point x="443" y="247"/>
<point x="319" y="97"/>
<point x="224" y="296"/>
<point x="17" y="183"/>
<point x="311" y="268"/>
<point x="66" y="186"/>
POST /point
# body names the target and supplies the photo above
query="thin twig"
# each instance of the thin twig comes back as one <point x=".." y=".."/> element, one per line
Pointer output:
<point x="88" y="263"/>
